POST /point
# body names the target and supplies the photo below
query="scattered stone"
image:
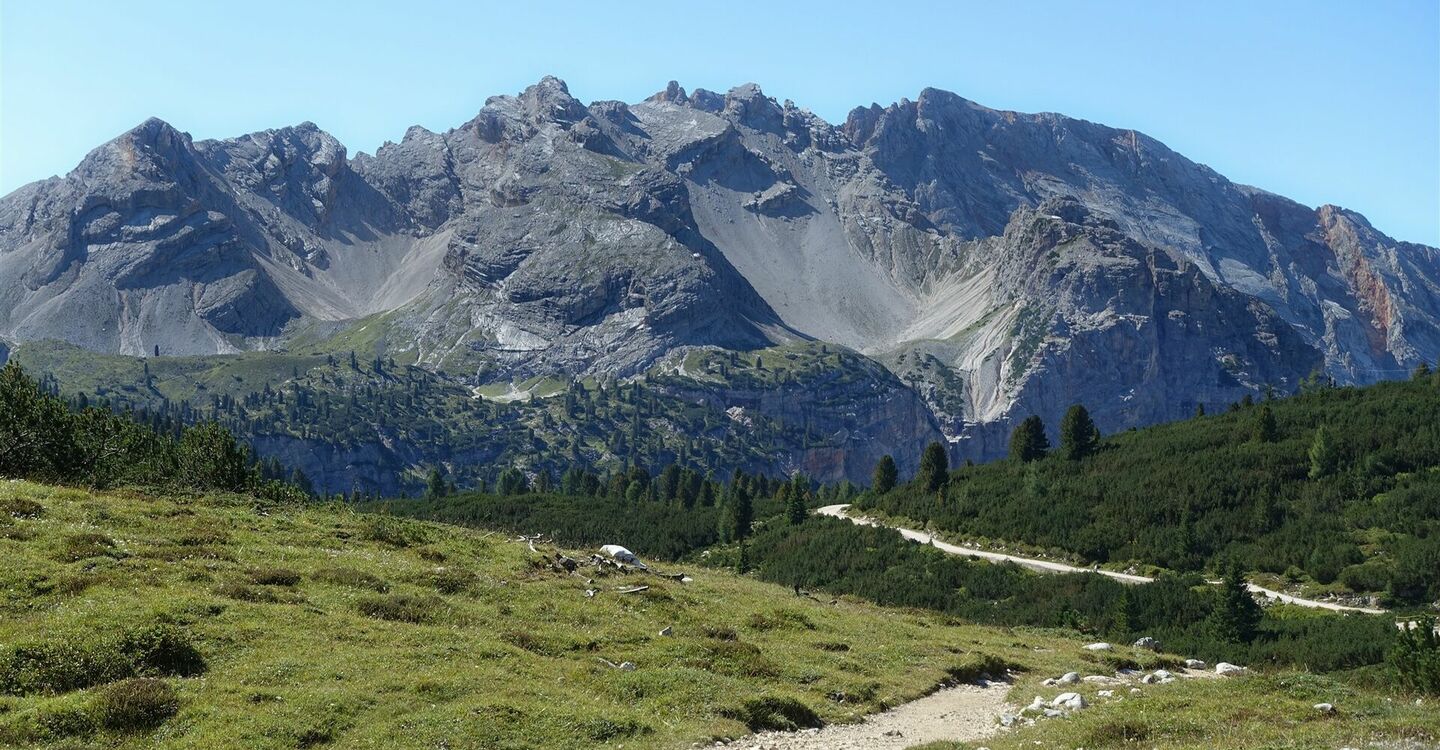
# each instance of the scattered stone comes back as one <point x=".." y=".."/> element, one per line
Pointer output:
<point x="1149" y="679"/>
<point x="1106" y="693"/>
<point x="1051" y="713"/>
<point x="1226" y="667"/>
<point x="1097" y="678"/>
<point x="1036" y="706"/>
<point x="1194" y="664"/>
<point x="1325" y="708"/>
<point x="667" y="631"/>
<point x="1048" y="682"/>
<point x="1071" y="701"/>
<point x="1069" y="678"/>
<point x="1098" y="647"/>
<point x="1009" y="720"/>
<point x="1148" y="643"/>
<point x="1134" y="691"/>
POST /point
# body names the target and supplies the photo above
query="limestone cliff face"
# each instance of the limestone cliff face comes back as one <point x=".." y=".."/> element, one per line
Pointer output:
<point x="998" y="263"/>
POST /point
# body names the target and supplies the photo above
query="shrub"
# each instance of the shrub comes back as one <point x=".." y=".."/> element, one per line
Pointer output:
<point x="774" y="713"/>
<point x="78" y="547"/>
<point x="402" y="607"/>
<point x="136" y="704"/>
<point x="355" y="579"/>
<point x="21" y="507"/>
<point x="452" y="581"/>
<point x="241" y="592"/>
<point x="392" y="531"/>
<point x="719" y="633"/>
<point x="274" y="577"/>
<point x="736" y="659"/>
<point x="977" y="666"/>
<point x="61" y="665"/>
<point x="787" y="619"/>
<point x="162" y="650"/>
<point x="1415" y="657"/>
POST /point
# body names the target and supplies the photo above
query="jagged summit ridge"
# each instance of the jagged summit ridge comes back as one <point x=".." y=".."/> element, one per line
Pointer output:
<point x="995" y="261"/>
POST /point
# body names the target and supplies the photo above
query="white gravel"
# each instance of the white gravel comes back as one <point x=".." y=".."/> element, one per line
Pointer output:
<point x="959" y="714"/>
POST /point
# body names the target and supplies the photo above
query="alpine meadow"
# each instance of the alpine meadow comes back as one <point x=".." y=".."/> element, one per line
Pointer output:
<point x="706" y="419"/>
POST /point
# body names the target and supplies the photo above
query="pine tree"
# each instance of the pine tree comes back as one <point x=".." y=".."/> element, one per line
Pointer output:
<point x="1323" y="459"/>
<point x="795" y="509"/>
<point x="435" y="485"/>
<point x="885" y="476"/>
<point x="1199" y="410"/>
<point x="1079" y="437"/>
<point x="1265" y="430"/>
<point x="1028" y="441"/>
<point x="934" y="468"/>
<point x="739" y="514"/>
<point x="1236" y="617"/>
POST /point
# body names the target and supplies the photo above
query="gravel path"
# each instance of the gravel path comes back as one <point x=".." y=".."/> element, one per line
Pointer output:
<point x="960" y="713"/>
<point x="1049" y="566"/>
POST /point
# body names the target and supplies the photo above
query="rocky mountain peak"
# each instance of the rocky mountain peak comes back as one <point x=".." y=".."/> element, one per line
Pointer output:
<point x="673" y="93"/>
<point x="550" y="101"/>
<point x="750" y="106"/>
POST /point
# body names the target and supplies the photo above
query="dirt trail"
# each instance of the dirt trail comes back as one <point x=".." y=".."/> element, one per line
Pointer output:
<point x="958" y="714"/>
<point x="1048" y="566"/>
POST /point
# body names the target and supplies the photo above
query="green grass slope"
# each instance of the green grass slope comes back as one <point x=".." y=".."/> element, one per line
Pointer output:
<point x="286" y="627"/>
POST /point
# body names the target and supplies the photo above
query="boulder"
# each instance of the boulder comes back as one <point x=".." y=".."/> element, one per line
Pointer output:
<point x="1069" y="678"/>
<point x="1070" y="701"/>
<point x="1147" y="642"/>
<point x="1194" y="664"/>
<point x="1098" y="647"/>
<point x="1224" y="668"/>
<point x="1325" y="708"/>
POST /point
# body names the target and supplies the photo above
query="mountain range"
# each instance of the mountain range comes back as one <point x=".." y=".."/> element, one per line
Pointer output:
<point x="971" y="266"/>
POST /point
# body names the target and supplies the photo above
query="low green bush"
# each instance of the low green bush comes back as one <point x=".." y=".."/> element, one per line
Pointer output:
<point x="781" y="713"/>
<point x="136" y="704"/>
<point x="410" y="608"/>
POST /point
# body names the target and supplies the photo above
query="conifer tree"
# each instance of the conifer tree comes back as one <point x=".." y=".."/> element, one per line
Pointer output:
<point x="1323" y="458"/>
<point x="885" y="475"/>
<point x="1079" y="437"/>
<point x="1028" y="441"/>
<point x="934" y="468"/>
<point x="1265" y="430"/>
<point x="435" y="485"/>
<point x="1236" y="616"/>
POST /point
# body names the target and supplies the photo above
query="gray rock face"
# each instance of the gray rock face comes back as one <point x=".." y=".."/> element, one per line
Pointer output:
<point x="998" y="263"/>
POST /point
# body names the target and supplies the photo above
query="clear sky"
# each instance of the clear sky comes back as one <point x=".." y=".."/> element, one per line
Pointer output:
<point x="1325" y="102"/>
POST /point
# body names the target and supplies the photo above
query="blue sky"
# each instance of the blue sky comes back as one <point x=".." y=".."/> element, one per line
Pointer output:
<point x="1326" y="102"/>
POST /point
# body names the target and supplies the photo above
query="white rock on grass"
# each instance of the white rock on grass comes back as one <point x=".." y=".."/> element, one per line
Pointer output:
<point x="1226" y="667"/>
<point x="1036" y="706"/>
<point x="1148" y="642"/>
<point x="1105" y="693"/>
<point x="1097" y="678"/>
<point x="1071" y="701"/>
<point x="1194" y="664"/>
<point x="1134" y="691"/>
<point x="1098" y="647"/>
<point x="1069" y="678"/>
<point x="1325" y="708"/>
